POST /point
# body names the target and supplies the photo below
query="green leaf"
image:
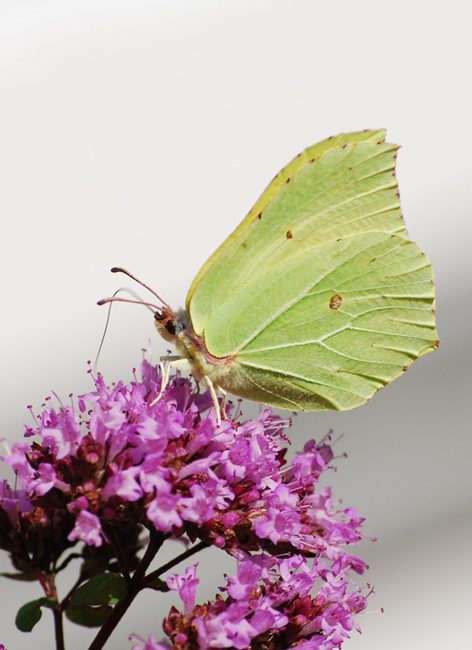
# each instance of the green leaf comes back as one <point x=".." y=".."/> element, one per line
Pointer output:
<point x="103" y="589"/>
<point x="88" y="616"/>
<point x="23" y="577"/>
<point x="30" y="613"/>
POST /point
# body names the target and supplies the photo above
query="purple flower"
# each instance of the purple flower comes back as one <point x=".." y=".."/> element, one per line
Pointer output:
<point x="123" y="484"/>
<point x="17" y="459"/>
<point x="143" y="644"/>
<point x="163" y="513"/>
<point x="277" y="603"/>
<point x="44" y="479"/>
<point x="118" y="465"/>
<point x="60" y="431"/>
<point x="13" y="503"/>
<point x="240" y="586"/>
<point x="186" y="586"/>
<point x="87" y="529"/>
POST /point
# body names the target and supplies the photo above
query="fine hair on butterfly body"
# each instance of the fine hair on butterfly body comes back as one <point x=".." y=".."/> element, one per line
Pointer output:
<point x="318" y="299"/>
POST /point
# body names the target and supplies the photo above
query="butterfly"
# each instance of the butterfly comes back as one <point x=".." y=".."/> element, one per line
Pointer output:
<point x="318" y="298"/>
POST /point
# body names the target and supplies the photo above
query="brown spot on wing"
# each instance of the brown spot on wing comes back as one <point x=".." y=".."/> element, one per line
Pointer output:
<point x="289" y="234"/>
<point x="335" y="301"/>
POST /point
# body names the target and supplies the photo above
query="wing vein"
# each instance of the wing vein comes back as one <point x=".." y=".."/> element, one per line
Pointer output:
<point x="310" y="380"/>
<point x="296" y="300"/>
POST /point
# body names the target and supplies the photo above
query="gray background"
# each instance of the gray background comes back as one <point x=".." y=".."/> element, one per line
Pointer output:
<point x="139" y="133"/>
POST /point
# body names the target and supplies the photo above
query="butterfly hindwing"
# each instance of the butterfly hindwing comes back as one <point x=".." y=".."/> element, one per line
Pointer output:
<point x="328" y="328"/>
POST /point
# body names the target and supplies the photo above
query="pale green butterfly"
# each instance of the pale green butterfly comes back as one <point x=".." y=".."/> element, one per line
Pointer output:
<point x="318" y="298"/>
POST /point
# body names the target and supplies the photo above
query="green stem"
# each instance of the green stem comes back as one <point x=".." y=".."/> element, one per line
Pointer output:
<point x="69" y="558"/>
<point x="135" y="585"/>
<point x="119" y="556"/>
<point x="172" y="563"/>
<point x="58" y="628"/>
<point x="138" y="582"/>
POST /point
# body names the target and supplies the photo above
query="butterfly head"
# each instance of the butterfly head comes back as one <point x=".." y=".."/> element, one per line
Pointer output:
<point x="165" y="323"/>
<point x="170" y="324"/>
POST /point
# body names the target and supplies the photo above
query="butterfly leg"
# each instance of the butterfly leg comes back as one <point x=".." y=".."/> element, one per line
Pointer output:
<point x="214" y="398"/>
<point x="224" y="401"/>
<point x="165" y="367"/>
<point x="169" y="357"/>
<point x="177" y="364"/>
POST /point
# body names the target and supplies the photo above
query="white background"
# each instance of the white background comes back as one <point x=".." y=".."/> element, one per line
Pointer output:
<point x="139" y="133"/>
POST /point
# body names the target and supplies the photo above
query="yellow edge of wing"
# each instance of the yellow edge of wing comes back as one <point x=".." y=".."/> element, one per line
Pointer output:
<point x="315" y="151"/>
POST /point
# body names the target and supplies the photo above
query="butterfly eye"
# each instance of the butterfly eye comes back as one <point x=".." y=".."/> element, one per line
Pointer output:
<point x="170" y="327"/>
<point x="166" y="320"/>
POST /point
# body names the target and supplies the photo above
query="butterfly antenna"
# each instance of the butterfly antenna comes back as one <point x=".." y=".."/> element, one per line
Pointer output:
<point x="119" y="269"/>
<point x="150" y="305"/>
<point x="110" y="302"/>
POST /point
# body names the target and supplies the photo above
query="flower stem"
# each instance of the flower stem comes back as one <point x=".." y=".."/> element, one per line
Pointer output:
<point x="134" y="587"/>
<point x="172" y="563"/>
<point x="69" y="558"/>
<point x="119" y="556"/>
<point x="58" y="628"/>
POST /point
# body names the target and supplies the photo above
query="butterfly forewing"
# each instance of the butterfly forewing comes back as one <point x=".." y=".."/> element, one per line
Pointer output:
<point x="341" y="187"/>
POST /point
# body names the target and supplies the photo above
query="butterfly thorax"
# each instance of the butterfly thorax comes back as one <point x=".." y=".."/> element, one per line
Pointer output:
<point x="176" y="328"/>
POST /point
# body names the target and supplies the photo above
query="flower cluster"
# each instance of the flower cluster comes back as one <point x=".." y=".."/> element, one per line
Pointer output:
<point x="270" y="604"/>
<point x="102" y="469"/>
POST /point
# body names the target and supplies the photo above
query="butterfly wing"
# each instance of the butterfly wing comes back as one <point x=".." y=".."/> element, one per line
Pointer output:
<point x="327" y="328"/>
<point x="318" y="297"/>
<point x="343" y="186"/>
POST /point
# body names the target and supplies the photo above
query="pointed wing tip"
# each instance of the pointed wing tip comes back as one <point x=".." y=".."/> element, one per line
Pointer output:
<point x="364" y="135"/>
<point x="382" y="131"/>
<point x="380" y="135"/>
<point x="377" y="136"/>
